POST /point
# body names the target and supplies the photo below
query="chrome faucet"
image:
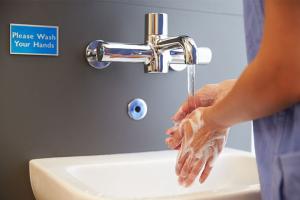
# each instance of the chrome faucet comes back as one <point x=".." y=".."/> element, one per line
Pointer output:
<point x="158" y="53"/>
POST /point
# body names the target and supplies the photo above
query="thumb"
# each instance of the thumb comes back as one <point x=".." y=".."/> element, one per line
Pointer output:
<point x="186" y="108"/>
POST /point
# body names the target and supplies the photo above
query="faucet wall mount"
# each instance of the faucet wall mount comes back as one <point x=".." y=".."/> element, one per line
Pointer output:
<point x="158" y="53"/>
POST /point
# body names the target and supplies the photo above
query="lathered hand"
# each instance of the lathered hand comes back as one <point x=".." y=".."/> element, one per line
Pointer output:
<point x="201" y="144"/>
<point x="206" y="96"/>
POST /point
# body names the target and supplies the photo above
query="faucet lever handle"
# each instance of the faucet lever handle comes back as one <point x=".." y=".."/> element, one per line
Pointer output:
<point x="204" y="55"/>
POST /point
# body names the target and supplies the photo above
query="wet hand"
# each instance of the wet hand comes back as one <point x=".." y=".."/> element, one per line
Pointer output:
<point x="202" y="142"/>
<point x="206" y="96"/>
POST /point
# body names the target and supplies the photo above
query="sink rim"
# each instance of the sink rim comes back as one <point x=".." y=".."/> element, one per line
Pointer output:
<point x="56" y="170"/>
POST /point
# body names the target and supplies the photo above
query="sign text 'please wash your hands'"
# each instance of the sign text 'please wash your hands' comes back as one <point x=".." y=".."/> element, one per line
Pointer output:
<point x="33" y="39"/>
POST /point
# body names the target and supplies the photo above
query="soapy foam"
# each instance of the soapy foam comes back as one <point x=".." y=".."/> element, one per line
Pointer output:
<point x="210" y="149"/>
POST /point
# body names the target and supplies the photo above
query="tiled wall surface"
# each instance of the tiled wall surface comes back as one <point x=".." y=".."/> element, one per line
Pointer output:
<point x="59" y="106"/>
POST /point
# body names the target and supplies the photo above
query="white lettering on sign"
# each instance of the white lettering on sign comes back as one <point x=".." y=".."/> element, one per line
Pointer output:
<point x="43" y="45"/>
<point x="31" y="37"/>
<point x="21" y="44"/>
<point x="46" y="37"/>
<point x="22" y="36"/>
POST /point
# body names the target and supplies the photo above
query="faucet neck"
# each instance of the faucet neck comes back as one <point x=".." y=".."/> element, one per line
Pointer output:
<point x="186" y="43"/>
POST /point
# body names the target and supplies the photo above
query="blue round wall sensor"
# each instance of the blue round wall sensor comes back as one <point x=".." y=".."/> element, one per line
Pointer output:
<point x="137" y="109"/>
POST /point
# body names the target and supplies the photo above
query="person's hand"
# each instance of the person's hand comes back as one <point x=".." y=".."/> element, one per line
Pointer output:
<point x="206" y="96"/>
<point x="202" y="142"/>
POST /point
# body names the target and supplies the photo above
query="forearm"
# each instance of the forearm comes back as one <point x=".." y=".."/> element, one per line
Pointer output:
<point x="271" y="82"/>
<point x="260" y="91"/>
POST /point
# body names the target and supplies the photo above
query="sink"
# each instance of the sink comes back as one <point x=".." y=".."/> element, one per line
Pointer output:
<point x="147" y="175"/>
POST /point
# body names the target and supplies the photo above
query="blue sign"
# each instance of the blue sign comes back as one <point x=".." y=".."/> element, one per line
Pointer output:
<point x="33" y="39"/>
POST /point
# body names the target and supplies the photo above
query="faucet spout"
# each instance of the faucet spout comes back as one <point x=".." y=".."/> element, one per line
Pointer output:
<point x="186" y="43"/>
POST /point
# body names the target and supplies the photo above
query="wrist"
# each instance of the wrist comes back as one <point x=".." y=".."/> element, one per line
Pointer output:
<point x="224" y="88"/>
<point x="213" y="120"/>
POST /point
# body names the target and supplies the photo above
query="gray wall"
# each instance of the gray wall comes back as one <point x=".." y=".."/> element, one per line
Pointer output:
<point x="59" y="106"/>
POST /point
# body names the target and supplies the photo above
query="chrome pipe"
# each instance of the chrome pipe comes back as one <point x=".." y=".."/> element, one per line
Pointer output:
<point x="156" y="27"/>
<point x="119" y="52"/>
<point x="157" y="24"/>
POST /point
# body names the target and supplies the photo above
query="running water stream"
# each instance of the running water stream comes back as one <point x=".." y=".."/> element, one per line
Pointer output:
<point x="191" y="85"/>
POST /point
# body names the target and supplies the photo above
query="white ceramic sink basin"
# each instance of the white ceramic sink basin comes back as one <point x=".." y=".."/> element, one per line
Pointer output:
<point x="147" y="175"/>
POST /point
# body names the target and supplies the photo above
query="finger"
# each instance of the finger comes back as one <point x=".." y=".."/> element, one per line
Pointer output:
<point x="174" y="140"/>
<point x="180" y="162"/>
<point x="207" y="169"/>
<point x="198" y="165"/>
<point x="180" y="114"/>
<point x="205" y="173"/>
<point x="201" y="99"/>
<point x="187" y="107"/>
<point x="185" y="131"/>
<point x="220" y="144"/>
<point x="181" y="180"/>
<point x="187" y="167"/>
<point x="174" y="131"/>
<point x="173" y="143"/>
<point x="171" y="131"/>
